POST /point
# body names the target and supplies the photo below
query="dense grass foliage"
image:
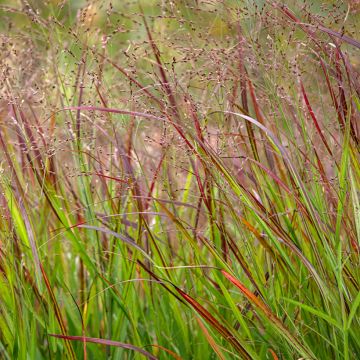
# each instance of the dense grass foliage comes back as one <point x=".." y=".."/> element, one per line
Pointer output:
<point x="179" y="180"/>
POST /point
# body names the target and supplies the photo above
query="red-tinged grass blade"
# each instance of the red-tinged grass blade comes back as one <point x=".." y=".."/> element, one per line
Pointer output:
<point x="58" y="315"/>
<point x="273" y="354"/>
<point x="160" y="281"/>
<point x="313" y="117"/>
<point x="194" y="116"/>
<point x="286" y="11"/>
<point x="324" y="29"/>
<point x="258" y="113"/>
<point x="152" y="186"/>
<point x="341" y="37"/>
<point x="258" y="235"/>
<point x="30" y="135"/>
<point x="123" y="238"/>
<point x="332" y="94"/>
<point x="345" y="107"/>
<point x="281" y="184"/>
<point x="295" y="175"/>
<point x="164" y="81"/>
<point x="241" y="259"/>
<point x="172" y="202"/>
<point x="200" y="185"/>
<point x="261" y="119"/>
<point x="112" y="178"/>
<point x="272" y="318"/>
<point x="281" y="233"/>
<point x="216" y="325"/>
<point x="106" y="342"/>
<point x="248" y="293"/>
<point x="81" y="74"/>
<point x="242" y="70"/>
<point x="249" y="126"/>
<point x="171" y="353"/>
<point x="210" y="340"/>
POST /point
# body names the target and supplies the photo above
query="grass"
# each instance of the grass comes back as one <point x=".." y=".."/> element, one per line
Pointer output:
<point x="179" y="180"/>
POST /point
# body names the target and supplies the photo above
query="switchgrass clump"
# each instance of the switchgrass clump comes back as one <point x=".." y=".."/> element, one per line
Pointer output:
<point x="179" y="180"/>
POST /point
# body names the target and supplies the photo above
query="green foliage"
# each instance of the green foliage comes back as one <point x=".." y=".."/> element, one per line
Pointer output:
<point x="179" y="180"/>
